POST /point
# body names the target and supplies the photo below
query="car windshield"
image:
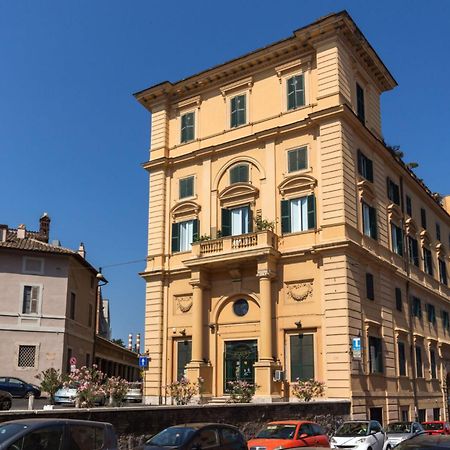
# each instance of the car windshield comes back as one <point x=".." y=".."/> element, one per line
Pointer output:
<point x="433" y="426"/>
<point x="399" y="427"/>
<point x="277" y="431"/>
<point x="353" y="429"/>
<point x="172" y="437"/>
<point x="10" y="429"/>
<point x="134" y="386"/>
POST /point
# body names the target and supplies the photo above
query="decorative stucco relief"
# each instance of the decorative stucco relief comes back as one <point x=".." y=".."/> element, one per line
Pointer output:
<point x="300" y="290"/>
<point x="184" y="303"/>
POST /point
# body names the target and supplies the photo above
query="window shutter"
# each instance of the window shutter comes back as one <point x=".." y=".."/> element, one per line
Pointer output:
<point x="399" y="234"/>
<point x="175" y="237"/>
<point x="300" y="90"/>
<point x="311" y="212"/>
<point x="195" y="230"/>
<point x="233" y="112"/>
<point x="370" y="294"/>
<point x="226" y="222"/>
<point x="369" y="168"/>
<point x="285" y="216"/>
<point x="360" y="165"/>
<point x="250" y="219"/>
<point x="388" y="190"/>
<point x="242" y="110"/>
<point x="34" y="299"/>
<point x="373" y="222"/>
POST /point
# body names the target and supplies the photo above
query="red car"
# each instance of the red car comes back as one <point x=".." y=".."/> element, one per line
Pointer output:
<point x="436" y="427"/>
<point x="288" y="434"/>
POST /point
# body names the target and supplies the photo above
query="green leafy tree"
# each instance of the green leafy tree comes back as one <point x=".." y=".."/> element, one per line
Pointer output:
<point x="51" y="380"/>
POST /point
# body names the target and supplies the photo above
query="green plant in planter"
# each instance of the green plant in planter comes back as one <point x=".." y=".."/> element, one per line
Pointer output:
<point x="51" y="380"/>
<point x="263" y="224"/>
<point x="241" y="391"/>
<point x="308" y="389"/>
<point x="203" y="237"/>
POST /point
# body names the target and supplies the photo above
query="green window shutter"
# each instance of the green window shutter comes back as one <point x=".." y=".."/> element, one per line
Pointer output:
<point x="369" y="169"/>
<point x="360" y="163"/>
<point x="311" y="212"/>
<point x="226" y="222"/>
<point x="302" y="357"/>
<point x="233" y="107"/>
<point x="175" y="237"/>
<point x="242" y="110"/>
<point x="285" y="216"/>
<point x="250" y="219"/>
<point x="195" y="230"/>
<point x="399" y="233"/>
<point x="373" y="223"/>
<point x="300" y="91"/>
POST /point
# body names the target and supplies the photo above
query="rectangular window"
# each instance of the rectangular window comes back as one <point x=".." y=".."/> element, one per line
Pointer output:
<point x="375" y="355"/>
<point x="393" y="191"/>
<point x="427" y="261"/>
<point x="72" y="306"/>
<point x="183" y="234"/>
<point x="442" y="272"/>
<point x="416" y="307"/>
<point x="184" y="356"/>
<point x="397" y="239"/>
<point x="370" y="293"/>
<point x="433" y="364"/>
<point x="295" y="91"/>
<point x="401" y="359"/>
<point x="302" y="356"/>
<point x="238" y="111"/>
<point x="436" y="413"/>
<point x="419" y="365"/>
<point x="423" y="218"/>
<point x="413" y="248"/>
<point x="236" y="221"/>
<point x="30" y="301"/>
<point x="431" y="313"/>
<point x="398" y="299"/>
<point x="298" y="214"/>
<point x="239" y="173"/>
<point x="186" y="187"/>
<point x="360" y="108"/>
<point x="438" y="231"/>
<point x="422" y="415"/>
<point x="27" y="356"/>
<point x="369" y="215"/>
<point x="408" y="206"/>
<point x="365" y="166"/>
<point x="187" y="127"/>
<point x="297" y="159"/>
<point x="445" y="320"/>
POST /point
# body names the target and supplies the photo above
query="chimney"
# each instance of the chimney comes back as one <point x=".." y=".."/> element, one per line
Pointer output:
<point x="44" y="227"/>
<point x="21" y="231"/>
<point x="82" y="250"/>
<point x="138" y="343"/>
<point x="3" y="232"/>
<point x="446" y="203"/>
<point x="130" y="342"/>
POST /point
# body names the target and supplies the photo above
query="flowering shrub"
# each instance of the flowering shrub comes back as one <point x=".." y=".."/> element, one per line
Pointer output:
<point x="307" y="389"/>
<point x="51" y="380"/>
<point x="116" y="388"/>
<point x="241" y="391"/>
<point x="88" y="382"/>
<point x="182" y="391"/>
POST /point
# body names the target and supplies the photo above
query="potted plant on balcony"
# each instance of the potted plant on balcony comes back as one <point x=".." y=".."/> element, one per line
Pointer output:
<point x="263" y="224"/>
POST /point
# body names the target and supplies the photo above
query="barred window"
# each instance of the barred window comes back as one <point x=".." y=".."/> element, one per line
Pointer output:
<point x="27" y="356"/>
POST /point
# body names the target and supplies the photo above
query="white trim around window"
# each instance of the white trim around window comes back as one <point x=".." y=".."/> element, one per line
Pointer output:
<point x="33" y="303"/>
<point x="291" y="149"/>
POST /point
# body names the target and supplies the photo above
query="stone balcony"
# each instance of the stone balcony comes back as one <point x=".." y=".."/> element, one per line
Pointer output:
<point x="239" y="248"/>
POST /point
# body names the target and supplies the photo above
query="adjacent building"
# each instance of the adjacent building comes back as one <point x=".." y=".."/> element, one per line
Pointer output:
<point x="48" y="305"/>
<point x="283" y="231"/>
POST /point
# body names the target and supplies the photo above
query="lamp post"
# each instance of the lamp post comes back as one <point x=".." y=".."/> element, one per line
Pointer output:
<point x="101" y="281"/>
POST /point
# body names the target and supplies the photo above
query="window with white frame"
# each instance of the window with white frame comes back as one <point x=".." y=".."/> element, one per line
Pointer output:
<point x="183" y="234"/>
<point x="31" y="299"/>
<point x="397" y="239"/>
<point x="26" y="356"/>
<point x="369" y="216"/>
<point x="187" y="127"/>
<point x="295" y="90"/>
<point x="238" y="111"/>
<point x="298" y="214"/>
<point x="236" y="221"/>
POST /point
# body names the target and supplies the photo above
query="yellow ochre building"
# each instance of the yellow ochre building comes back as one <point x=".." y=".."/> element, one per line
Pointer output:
<point x="282" y="229"/>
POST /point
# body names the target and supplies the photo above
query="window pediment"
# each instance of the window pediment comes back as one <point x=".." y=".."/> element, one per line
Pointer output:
<point x="185" y="209"/>
<point x="246" y="83"/>
<point x="238" y="193"/>
<point x="365" y="189"/>
<point x="296" y="184"/>
<point x="411" y="228"/>
<point x="394" y="213"/>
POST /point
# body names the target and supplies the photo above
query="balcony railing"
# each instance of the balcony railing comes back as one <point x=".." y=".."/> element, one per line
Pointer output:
<point x="234" y="244"/>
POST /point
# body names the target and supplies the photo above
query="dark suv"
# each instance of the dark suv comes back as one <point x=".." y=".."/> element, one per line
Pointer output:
<point x="19" y="388"/>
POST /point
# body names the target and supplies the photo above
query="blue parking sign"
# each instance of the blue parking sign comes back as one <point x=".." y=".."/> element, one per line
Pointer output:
<point x="356" y="347"/>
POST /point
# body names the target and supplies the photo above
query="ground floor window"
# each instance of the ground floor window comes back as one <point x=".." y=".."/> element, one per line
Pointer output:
<point x="436" y="413"/>
<point x="376" y="414"/>
<point x="404" y="414"/>
<point x="27" y="356"/>
<point x="301" y="356"/>
<point x="422" y="415"/>
<point x="184" y="356"/>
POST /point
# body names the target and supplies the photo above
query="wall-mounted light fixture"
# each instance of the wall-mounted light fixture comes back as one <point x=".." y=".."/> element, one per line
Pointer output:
<point x="212" y="327"/>
<point x="298" y="324"/>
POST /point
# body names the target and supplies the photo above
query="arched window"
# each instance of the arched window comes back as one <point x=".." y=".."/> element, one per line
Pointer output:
<point x="239" y="173"/>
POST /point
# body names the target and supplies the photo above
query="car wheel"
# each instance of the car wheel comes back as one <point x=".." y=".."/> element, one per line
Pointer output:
<point x="388" y="447"/>
<point x="6" y="404"/>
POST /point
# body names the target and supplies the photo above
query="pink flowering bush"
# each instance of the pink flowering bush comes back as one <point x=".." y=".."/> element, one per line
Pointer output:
<point x="182" y="391"/>
<point x="241" y="391"/>
<point x="307" y="389"/>
<point x="89" y="384"/>
<point x="116" y="388"/>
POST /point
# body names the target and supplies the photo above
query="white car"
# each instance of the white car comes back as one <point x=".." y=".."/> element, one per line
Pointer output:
<point x="68" y="395"/>
<point x="360" y="435"/>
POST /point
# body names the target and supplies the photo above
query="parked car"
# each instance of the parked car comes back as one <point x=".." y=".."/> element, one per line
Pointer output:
<point x="289" y="434"/>
<point x="68" y="395"/>
<point x="214" y="436"/>
<point x="134" y="392"/>
<point x="436" y="427"/>
<point x="19" y="388"/>
<point x="53" y="434"/>
<point x="425" y="442"/>
<point x="5" y="401"/>
<point x="361" y="435"/>
<point x="399" y="431"/>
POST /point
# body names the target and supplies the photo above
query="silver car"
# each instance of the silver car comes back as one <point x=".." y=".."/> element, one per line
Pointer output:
<point x="68" y="396"/>
<point x="134" y="392"/>
<point x="400" y="431"/>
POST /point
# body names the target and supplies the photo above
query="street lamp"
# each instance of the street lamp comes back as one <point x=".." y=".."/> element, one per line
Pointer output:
<point x="101" y="281"/>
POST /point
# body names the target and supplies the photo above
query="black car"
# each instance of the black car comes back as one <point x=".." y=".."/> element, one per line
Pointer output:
<point x="55" y="434"/>
<point x="5" y="401"/>
<point x="195" y="436"/>
<point x="19" y="388"/>
<point x="425" y="442"/>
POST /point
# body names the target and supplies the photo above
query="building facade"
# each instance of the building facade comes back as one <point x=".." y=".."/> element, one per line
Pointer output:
<point x="48" y="304"/>
<point x="282" y="228"/>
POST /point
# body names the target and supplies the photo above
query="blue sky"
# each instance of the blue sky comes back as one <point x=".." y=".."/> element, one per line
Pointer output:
<point x="72" y="137"/>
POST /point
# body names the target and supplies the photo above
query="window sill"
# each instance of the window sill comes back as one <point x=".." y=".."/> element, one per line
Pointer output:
<point x="183" y="252"/>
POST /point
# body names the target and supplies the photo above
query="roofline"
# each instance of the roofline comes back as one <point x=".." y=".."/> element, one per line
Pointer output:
<point x="166" y="86"/>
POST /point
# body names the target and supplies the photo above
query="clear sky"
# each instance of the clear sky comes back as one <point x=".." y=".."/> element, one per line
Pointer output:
<point x="72" y="137"/>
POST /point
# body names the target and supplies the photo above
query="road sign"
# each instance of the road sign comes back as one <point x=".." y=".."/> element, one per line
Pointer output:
<point x="73" y="361"/>
<point x="143" y="362"/>
<point x="356" y="347"/>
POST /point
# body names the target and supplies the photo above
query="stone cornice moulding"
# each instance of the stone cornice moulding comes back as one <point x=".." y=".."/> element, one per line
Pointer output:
<point x="295" y="184"/>
<point x="189" y="103"/>
<point x="293" y="66"/>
